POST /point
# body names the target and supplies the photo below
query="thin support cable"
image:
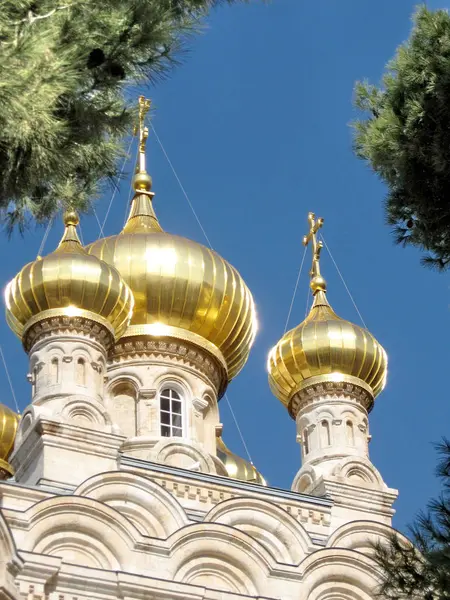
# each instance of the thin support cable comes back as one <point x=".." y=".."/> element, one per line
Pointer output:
<point x="238" y="428"/>
<point x="343" y="281"/>
<point x="210" y="245"/>
<point x="102" y="226"/>
<point x="9" y="380"/>
<point x="308" y="296"/>
<point x="127" y="206"/>
<point x="81" y="234"/>
<point x="295" y="291"/>
<point x="97" y="219"/>
<point x="181" y="186"/>
<point x="45" y="236"/>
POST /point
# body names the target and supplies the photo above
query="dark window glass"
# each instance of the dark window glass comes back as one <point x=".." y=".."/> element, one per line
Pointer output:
<point x="171" y="413"/>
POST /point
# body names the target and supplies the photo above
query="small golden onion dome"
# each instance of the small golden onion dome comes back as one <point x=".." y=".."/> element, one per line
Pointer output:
<point x="68" y="282"/>
<point x="325" y="348"/>
<point x="237" y="467"/>
<point x="181" y="288"/>
<point x="9" y="421"/>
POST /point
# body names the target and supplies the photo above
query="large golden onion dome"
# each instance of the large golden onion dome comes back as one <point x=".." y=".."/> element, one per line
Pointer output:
<point x="9" y="421"/>
<point x="324" y="347"/>
<point x="237" y="467"/>
<point x="68" y="282"/>
<point x="182" y="289"/>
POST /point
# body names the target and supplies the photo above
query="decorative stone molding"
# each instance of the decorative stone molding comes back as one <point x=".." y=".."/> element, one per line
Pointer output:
<point x="67" y="325"/>
<point x="333" y="390"/>
<point x="145" y="394"/>
<point x="187" y="353"/>
<point x="199" y="404"/>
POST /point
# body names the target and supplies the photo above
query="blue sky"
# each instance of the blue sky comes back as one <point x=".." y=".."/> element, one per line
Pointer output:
<point x="256" y="123"/>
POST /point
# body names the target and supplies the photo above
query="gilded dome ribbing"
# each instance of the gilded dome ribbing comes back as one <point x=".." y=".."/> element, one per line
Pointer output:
<point x="9" y="422"/>
<point x="181" y="288"/>
<point x="68" y="282"/>
<point x="324" y="348"/>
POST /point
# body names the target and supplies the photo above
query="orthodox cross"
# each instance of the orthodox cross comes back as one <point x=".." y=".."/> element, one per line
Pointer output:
<point x="142" y="130"/>
<point x="314" y="227"/>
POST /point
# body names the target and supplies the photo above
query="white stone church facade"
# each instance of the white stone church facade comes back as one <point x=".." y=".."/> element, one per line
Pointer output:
<point x="116" y="483"/>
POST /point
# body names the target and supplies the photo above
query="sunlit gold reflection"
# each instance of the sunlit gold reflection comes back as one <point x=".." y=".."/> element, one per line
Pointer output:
<point x="324" y="345"/>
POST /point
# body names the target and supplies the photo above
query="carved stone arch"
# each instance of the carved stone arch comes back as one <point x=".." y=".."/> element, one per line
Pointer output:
<point x="339" y="590"/>
<point x="25" y="425"/>
<point x="201" y="552"/>
<point x="175" y="452"/>
<point x="129" y="377"/>
<point x="121" y="402"/>
<point x="351" y="413"/>
<point x="359" y="535"/>
<point x="347" y="574"/>
<point x="212" y="407"/>
<point x="304" y="421"/>
<point x="9" y="561"/>
<point x="275" y="529"/>
<point x="304" y="480"/>
<point x="27" y="420"/>
<point x="154" y="511"/>
<point x="93" y="532"/>
<point x="77" y="547"/>
<point x="215" y="572"/>
<point x="89" y="414"/>
<point x="325" y="413"/>
<point x="359" y="470"/>
<point x="8" y="550"/>
<point x="55" y="348"/>
<point x="81" y="352"/>
<point x="175" y="380"/>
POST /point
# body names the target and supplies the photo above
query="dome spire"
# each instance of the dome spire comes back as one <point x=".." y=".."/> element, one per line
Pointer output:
<point x="70" y="242"/>
<point x="318" y="284"/>
<point x="142" y="182"/>
<point x="142" y="217"/>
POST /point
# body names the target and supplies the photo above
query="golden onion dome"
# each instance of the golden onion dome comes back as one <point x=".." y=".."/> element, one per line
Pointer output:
<point x="324" y="347"/>
<point x="182" y="289"/>
<point x="9" y="421"/>
<point x="237" y="467"/>
<point x="68" y="282"/>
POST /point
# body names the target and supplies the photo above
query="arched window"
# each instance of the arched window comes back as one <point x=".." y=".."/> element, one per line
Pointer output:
<point x="350" y="433"/>
<point x="54" y="371"/>
<point x="81" y="372"/>
<point x="305" y="441"/>
<point x="325" y="438"/>
<point x="171" y="413"/>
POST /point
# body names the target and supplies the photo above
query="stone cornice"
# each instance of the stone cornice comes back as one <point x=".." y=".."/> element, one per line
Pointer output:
<point x="187" y="353"/>
<point x="65" y="325"/>
<point x="333" y="390"/>
<point x="214" y="480"/>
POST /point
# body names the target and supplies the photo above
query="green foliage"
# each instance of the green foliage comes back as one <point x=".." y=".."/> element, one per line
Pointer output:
<point x="405" y="136"/>
<point x="421" y="570"/>
<point x="63" y="115"/>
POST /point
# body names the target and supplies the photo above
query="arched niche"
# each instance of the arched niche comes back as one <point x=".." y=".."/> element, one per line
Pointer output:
<point x="122" y="406"/>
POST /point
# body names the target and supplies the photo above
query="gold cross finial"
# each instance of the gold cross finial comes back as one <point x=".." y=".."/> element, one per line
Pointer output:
<point x="317" y="281"/>
<point x="142" y="181"/>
